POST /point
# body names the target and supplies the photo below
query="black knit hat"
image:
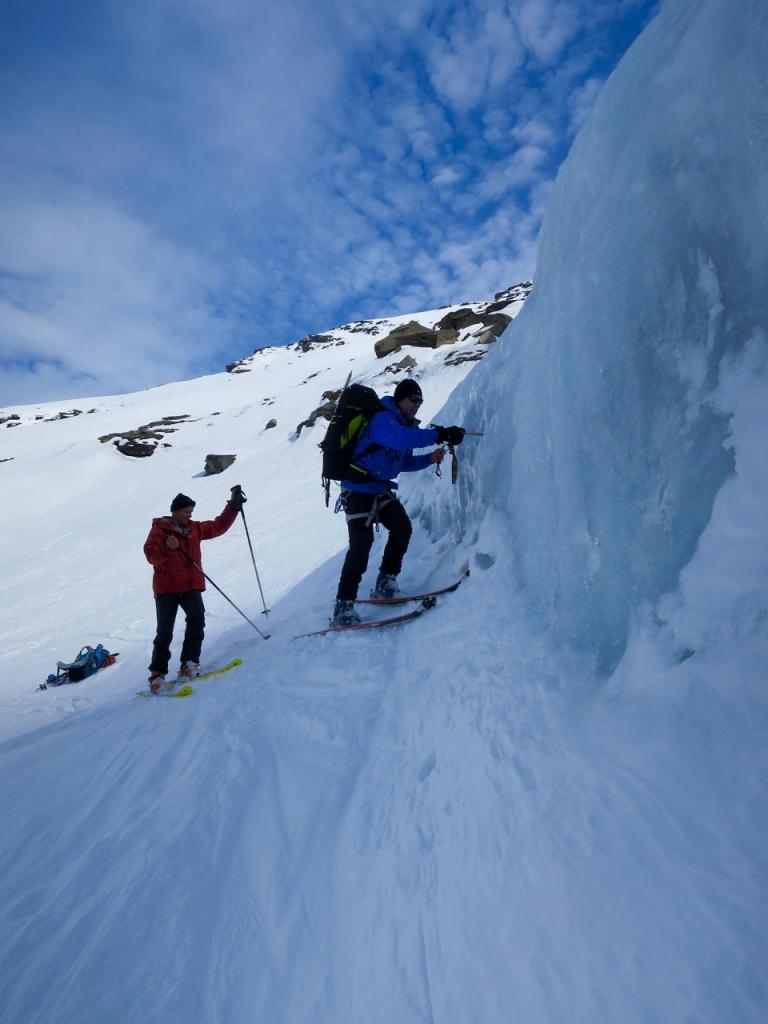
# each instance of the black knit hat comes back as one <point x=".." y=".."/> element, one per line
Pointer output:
<point x="181" y="501"/>
<point x="405" y="389"/>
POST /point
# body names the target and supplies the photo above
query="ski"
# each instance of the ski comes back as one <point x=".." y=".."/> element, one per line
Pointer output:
<point x="186" y="690"/>
<point x="393" y="620"/>
<point x="405" y="599"/>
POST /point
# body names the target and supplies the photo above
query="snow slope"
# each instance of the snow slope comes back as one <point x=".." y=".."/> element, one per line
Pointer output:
<point x="77" y="511"/>
<point x="544" y="801"/>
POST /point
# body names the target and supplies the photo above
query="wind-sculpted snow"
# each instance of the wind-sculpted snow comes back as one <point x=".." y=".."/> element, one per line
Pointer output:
<point x="606" y="439"/>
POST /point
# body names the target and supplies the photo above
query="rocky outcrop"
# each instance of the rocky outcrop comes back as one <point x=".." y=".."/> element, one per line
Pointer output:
<point x="271" y="425"/>
<point x="324" y="411"/>
<point x="137" y="449"/>
<point x="66" y="415"/>
<point x="491" y="325"/>
<point x="218" y="463"/>
<point x="406" y="363"/>
<point x="494" y="326"/>
<point x="315" y="341"/>
<point x="457" y="358"/>
<point x="239" y="366"/>
<point x="415" y="334"/>
<point x="457" y="319"/>
<point x="516" y="293"/>
<point x="143" y="441"/>
<point x="245" y="365"/>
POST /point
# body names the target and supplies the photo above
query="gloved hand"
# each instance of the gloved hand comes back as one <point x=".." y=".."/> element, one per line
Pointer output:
<point x="237" y="497"/>
<point x="449" y="435"/>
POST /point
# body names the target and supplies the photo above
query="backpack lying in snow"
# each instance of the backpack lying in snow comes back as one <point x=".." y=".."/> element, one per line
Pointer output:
<point x="356" y="407"/>
<point x="88" y="661"/>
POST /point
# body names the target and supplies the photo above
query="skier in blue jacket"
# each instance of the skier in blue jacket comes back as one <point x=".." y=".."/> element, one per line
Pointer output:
<point x="384" y="450"/>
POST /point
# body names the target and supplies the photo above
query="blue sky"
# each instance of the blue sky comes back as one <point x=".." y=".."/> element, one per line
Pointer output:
<point x="182" y="181"/>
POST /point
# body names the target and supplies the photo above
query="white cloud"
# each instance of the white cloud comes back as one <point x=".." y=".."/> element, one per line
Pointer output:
<point x="546" y="27"/>
<point x="534" y="131"/>
<point x="447" y="176"/>
<point x="219" y="168"/>
<point x="475" y="54"/>
<point x="101" y="295"/>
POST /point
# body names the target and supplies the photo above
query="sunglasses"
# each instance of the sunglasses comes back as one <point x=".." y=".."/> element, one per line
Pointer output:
<point x="415" y="400"/>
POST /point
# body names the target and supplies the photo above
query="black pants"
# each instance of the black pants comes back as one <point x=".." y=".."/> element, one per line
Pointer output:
<point x="167" y="605"/>
<point x="393" y="517"/>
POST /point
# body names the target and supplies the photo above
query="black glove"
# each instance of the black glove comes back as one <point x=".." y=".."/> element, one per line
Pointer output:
<point x="237" y="498"/>
<point x="449" y="435"/>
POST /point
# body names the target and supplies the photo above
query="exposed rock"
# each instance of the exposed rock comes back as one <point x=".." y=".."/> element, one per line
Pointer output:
<point x="136" y="449"/>
<point x="457" y="358"/>
<point x="166" y="424"/>
<point x="138" y="443"/>
<point x="458" y="319"/>
<point x="516" y="293"/>
<point x="362" y="327"/>
<point x="406" y="363"/>
<point x="8" y="460"/>
<point x="494" y="327"/>
<point x="495" y="306"/>
<point x="64" y="415"/>
<point x="244" y="365"/>
<point x="218" y="463"/>
<point x="415" y="334"/>
<point x="325" y="410"/>
<point x="271" y="424"/>
<point x="13" y="420"/>
<point x="314" y="341"/>
<point x="140" y="434"/>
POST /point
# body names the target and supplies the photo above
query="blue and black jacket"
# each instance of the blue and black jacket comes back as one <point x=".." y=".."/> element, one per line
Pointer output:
<point x="386" y="448"/>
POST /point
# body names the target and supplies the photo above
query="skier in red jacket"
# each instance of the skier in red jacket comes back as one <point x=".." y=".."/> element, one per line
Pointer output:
<point x="178" y="583"/>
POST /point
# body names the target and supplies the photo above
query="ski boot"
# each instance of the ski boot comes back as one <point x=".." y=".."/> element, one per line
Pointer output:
<point x="189" y="669"/>
<point x="344" y="614"/>
<point x="386" y="587"/>
<point x="156" y="680"/>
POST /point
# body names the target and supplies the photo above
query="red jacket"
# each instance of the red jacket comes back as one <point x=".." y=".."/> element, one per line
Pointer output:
<point x="173" y="573"/>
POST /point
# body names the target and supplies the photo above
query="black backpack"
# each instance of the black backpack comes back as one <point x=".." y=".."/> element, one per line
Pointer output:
<point x="356" y="407"/>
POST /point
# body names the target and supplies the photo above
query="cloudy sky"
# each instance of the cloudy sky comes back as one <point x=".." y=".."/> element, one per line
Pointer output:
<point x="182" y="181"/>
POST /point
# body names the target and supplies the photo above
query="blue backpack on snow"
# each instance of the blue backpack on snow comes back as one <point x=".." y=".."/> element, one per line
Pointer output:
<point x="88" y="662"/>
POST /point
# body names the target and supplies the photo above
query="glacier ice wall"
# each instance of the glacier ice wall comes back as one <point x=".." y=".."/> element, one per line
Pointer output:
<point x="605" y="445"/>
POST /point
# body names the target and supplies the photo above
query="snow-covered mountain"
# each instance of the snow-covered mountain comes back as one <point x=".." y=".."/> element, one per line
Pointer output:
<point x="543" y="801"/>
<point x="92" y="475"/>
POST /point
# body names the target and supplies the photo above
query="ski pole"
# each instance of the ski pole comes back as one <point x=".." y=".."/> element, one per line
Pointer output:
<point x="253" y="559"/>
<point x="264" y="636"/>
<point x="474" y="433"/>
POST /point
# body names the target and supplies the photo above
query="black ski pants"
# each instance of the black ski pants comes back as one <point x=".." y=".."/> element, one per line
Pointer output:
<point x="363" y="511"/>
<point x="166" y="605"/>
